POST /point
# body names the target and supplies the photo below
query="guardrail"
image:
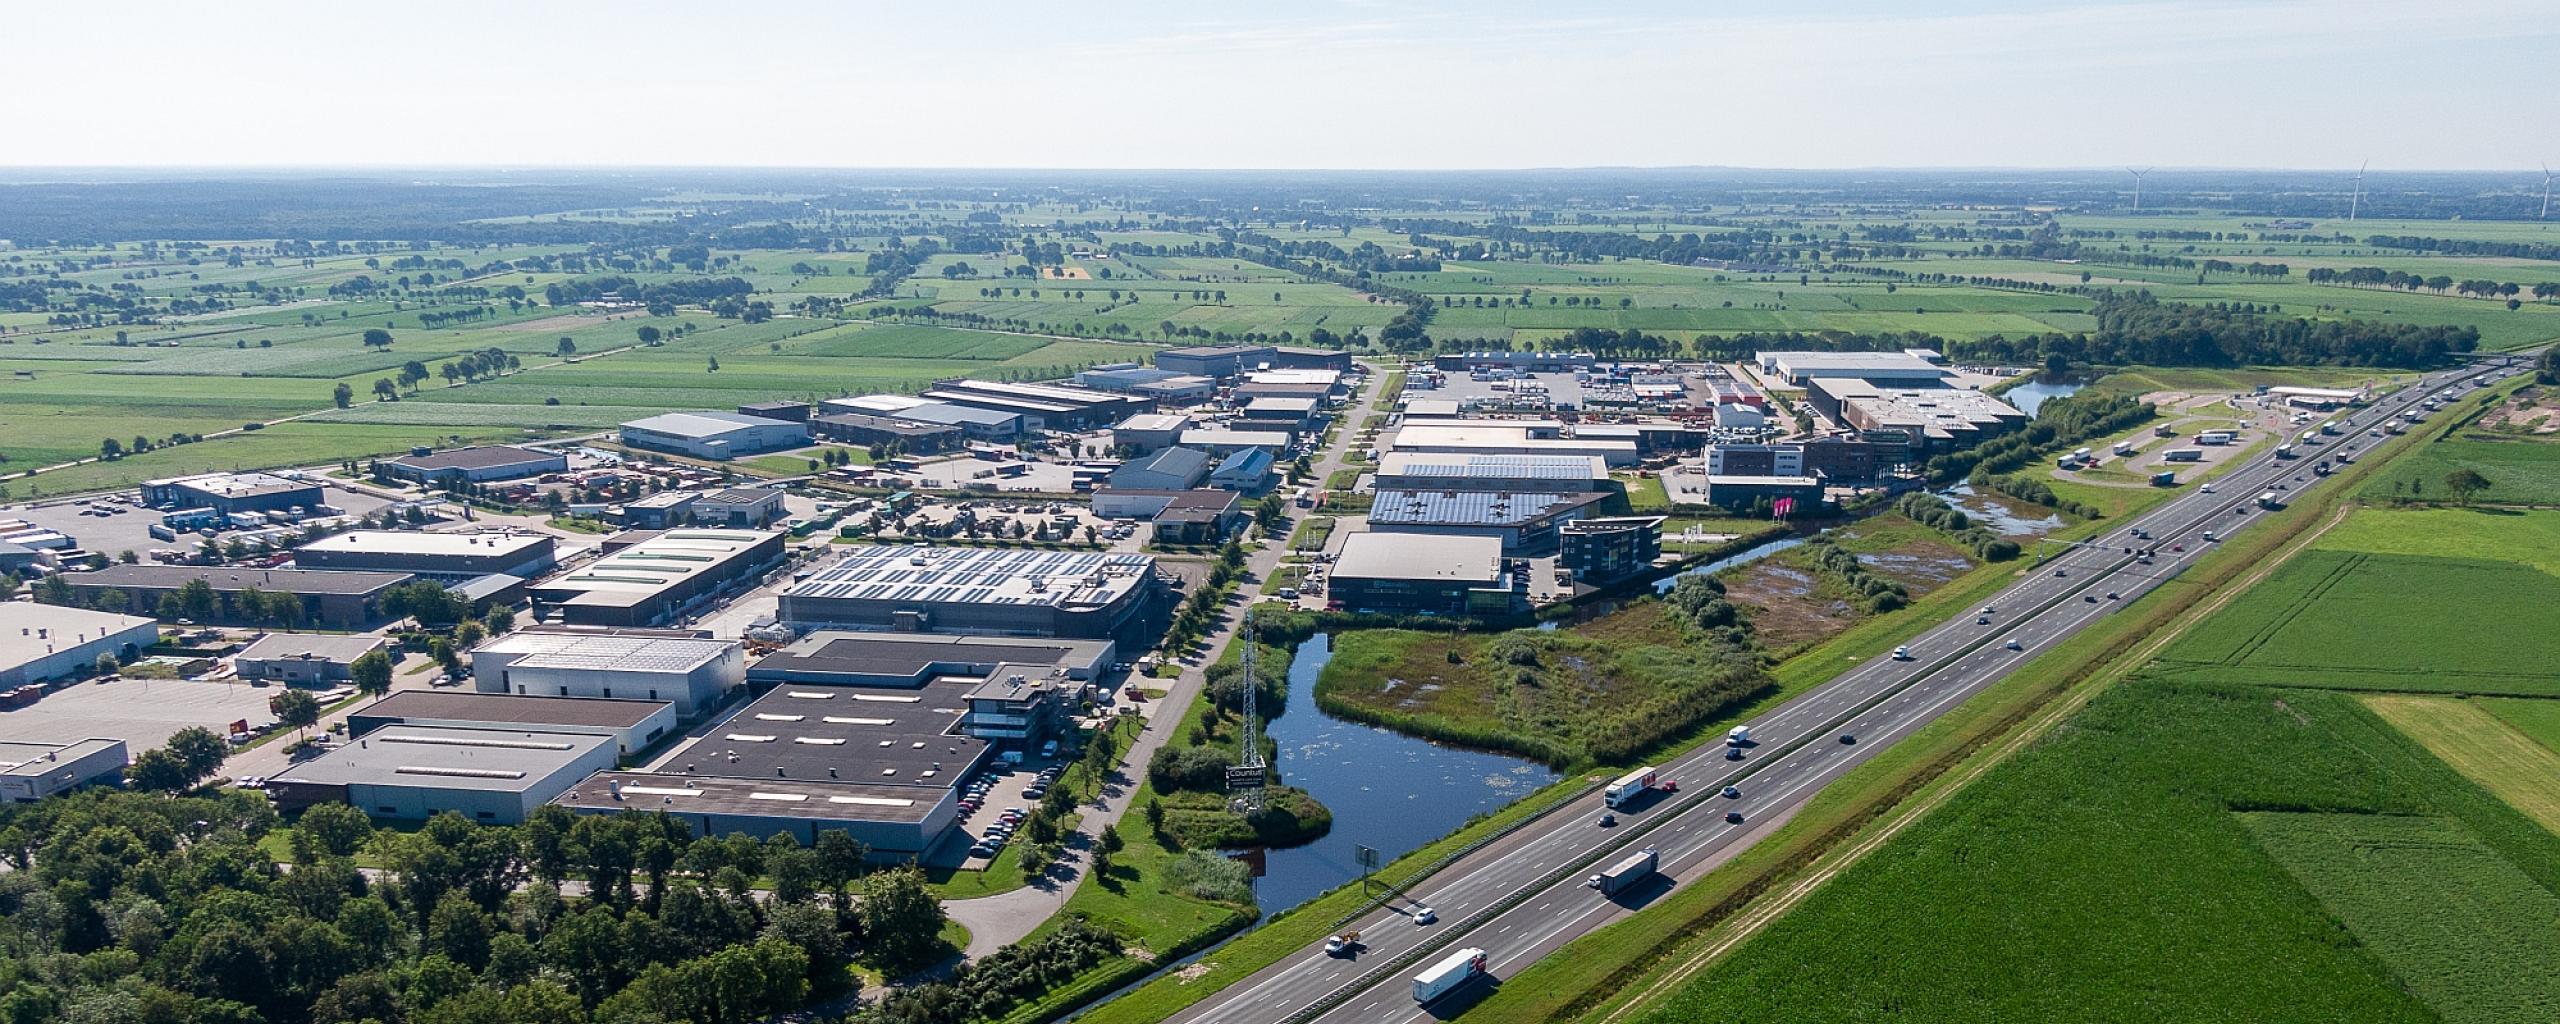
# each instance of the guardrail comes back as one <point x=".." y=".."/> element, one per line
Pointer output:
<point x="1452" y="857"/>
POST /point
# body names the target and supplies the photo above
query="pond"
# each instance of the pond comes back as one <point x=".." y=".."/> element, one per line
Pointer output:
<point x="2031" y="396"/>
<point x="2000" y="515"/>
<point x="1729" y="561"/>
<point x="1389" y="792"/>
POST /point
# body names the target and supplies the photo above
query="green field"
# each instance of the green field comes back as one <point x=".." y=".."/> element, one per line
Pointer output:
<point x="2469" y="935"/>
<point x="2479" y="744"/>
<point x="2385" y="622"/>
<point x="2101" y="875"/>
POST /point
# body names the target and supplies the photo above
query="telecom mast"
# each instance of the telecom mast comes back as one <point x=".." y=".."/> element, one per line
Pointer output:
<point x="1245" y="781"/>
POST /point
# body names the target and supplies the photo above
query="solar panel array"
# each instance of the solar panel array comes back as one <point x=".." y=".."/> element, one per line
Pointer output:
<point x="1462" y="508"/>
<point x="923" y="575"/>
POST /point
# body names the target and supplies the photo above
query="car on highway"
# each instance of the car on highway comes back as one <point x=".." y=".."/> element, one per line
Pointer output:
<point x="1990" y="609"/>
<point x="1733" y="816"/>
<point x="2014" y="645"/>
<point x="2208" y="488"/>
<point x="1982" y="620"/>
<point x="2060" y="573"/>
<point x="1733" y="792"/>
<point x="1423" y="915"/>
<point x="1848" y="738"/>
<point x="1667" y="786"/>
<point x="1733" y="753"/>
<point x="1608" y="820"/>
<point x="1902" y="654"/>
<point x="2111" y="595"/>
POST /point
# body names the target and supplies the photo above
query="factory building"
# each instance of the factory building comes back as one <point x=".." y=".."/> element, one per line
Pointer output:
<point x="33" y="771"/>
<point x="477" y="464"/>
<point x="632" y="724"/>
<point x="660" y="511"/>
<point x="1516" y="474"/>
<point x="713" y="435"/>
<point x="1294" y="415"/>
<point x="1801" y="369"/>
<point x="650" y="578"/>
<point x="1935" y="418"/>
<point x="1247" y="471"/>
<point x="1042" y="406"/>
<point x="336" y="598"/>
<point x="1200" y="516"/>
<point x="693" y="674"/>
<point x="739" y="508"/>
<point x="227" y="493"/>
<point x="448" y="557"/>
<point x="306" y="659"/>
<point x="1014" y="690"/>
<point x="1162" y="386"/>
<point x="996" y="591"/>
<point x="41" y="641"/>
<point x="787" y="411"/>
<point x="412" y="773"/>
<point x="1493" y="437"/>
<point x="1219" y="441"/>
<point x="1598" y="550"/>
<point x="867" y="429"/>
<point x="1415" y="574"/>
<point x="1523" y="362"/>
<point x="1149" y="431"/>
<point x="1172" y="469"/>
<point x="973" y="423"/>
<point x="1215" y="361"/>
<point x="1522" y="523"/>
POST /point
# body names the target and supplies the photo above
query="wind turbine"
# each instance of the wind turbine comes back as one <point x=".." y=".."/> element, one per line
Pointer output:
<point x="2137" y="186"/>
<point x="2546" y="192"/>
<point x="2357" y="198"/>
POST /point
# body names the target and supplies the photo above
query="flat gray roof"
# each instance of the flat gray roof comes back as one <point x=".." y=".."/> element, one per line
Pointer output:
<point x="323" y="646"/>
<point x="839" y="652"/>
<point x="922" y="574"/>
<point x="420" y="542"/>
<point x="228" y="579"/>
<point x="1471" y="508"/>
<point x="20" y="621"/>
<point x="604" y="651"/>
<point x="875" y="735"/>
<point x="18" y="758"/>
<point x="477" y="457"/>
<point x="1420" y="556"/>
<point x="779" y="798"/>
<point x="514" y="709"/>
<point x="488" y="760"/>
<point x="703" y="424"/>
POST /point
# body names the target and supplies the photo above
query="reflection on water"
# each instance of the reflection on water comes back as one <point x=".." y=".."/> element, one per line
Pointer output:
<point x="1729" y="561"/>
<point x="1388" y="792"/>
<point x="2030" y="396"/>
<point x="1999" y="515"/>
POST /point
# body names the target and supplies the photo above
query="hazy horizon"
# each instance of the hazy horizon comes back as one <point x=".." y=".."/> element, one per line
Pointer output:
<point x="1345" y="85"/>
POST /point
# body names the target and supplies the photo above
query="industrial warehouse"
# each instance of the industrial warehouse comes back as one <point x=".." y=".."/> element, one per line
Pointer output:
<point x="633" y="724"/>
<point x="996" y="591"/>
<point x="448" y="557"/>
<point x="692" y="673"/>
<point x="335" y="598"/>
<point x="645" y="579"/>
<point x="1422" y="574"/>
<point x="412" y="773"/>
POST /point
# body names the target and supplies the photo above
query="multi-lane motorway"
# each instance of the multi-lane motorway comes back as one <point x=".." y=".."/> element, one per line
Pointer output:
<point x="1523" y="896"/>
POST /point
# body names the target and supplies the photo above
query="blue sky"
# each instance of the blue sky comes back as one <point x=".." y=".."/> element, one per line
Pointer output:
<point x="2225" y="83"/>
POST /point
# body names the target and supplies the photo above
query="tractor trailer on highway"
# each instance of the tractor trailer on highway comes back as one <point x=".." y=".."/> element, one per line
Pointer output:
<point x="1629" y="787"/>
<point x="1634" y="867"/>
<point x="1444" y="977"/>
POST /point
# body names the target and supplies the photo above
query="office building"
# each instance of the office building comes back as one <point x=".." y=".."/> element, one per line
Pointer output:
<point x="632" y="724"/>
<point x="306" y="659"/>
<point x="1200" y="516"/>
<point x="660" y="511"/>
<point x="693" y="674"/>
<point x="412" y="773"/>
<point x="446" y="557"/>
<point x="1215" y="361"/>
<point x="1599" y="550"/>
<point x="996" y="591"/>
<point x="1935" y="418"/>
<point x="714" y="435"/>
<point x="653" y="578"/>
<point x="1294" y="415"/>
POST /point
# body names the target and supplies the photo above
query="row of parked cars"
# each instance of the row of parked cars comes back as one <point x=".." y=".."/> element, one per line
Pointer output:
<point x="993" y="840"/>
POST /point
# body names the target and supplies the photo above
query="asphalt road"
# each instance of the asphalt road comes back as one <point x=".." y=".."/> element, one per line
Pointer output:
<point x="1524" y="897"/>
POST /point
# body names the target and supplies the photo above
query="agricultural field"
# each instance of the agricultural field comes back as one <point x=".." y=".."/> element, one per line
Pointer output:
<point x="2514" y="445"/>
<point x="2355" y="620"/>
<point x="2481" y="745"/>
<point x="2112" y="872"/>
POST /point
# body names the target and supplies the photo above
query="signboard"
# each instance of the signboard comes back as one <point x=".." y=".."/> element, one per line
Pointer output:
<point x="1244" y="778"/>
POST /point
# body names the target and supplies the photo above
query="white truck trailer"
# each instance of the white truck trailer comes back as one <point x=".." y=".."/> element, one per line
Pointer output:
<point x="1634" y="867"/>
<point x="1444" y="977"/>
<point x="1629" y="787"/>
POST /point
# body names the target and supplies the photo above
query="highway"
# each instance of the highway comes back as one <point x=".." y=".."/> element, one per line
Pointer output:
<point x="1523" y="896"/>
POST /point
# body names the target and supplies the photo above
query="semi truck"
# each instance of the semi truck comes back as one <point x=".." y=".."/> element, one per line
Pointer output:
<point x="2214" y="437"/>
<point x="1629" y="787"/>
<point x="2183" y="455"/>
<point x="2164" y="479"/>
<point x="2124" y="448"/>
<point x="1739" y="737"/>
<point x="2267" y="500"/>
<point x="1442" y="978"/>
<point x="1623" y="875"/>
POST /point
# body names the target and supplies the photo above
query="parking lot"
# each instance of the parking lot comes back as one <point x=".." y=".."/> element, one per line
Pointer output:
<point x="953" y="474"/>
<point x="127" y="527"/>
<point x="1538" y="392"/>
<point x="141" y="712"/>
